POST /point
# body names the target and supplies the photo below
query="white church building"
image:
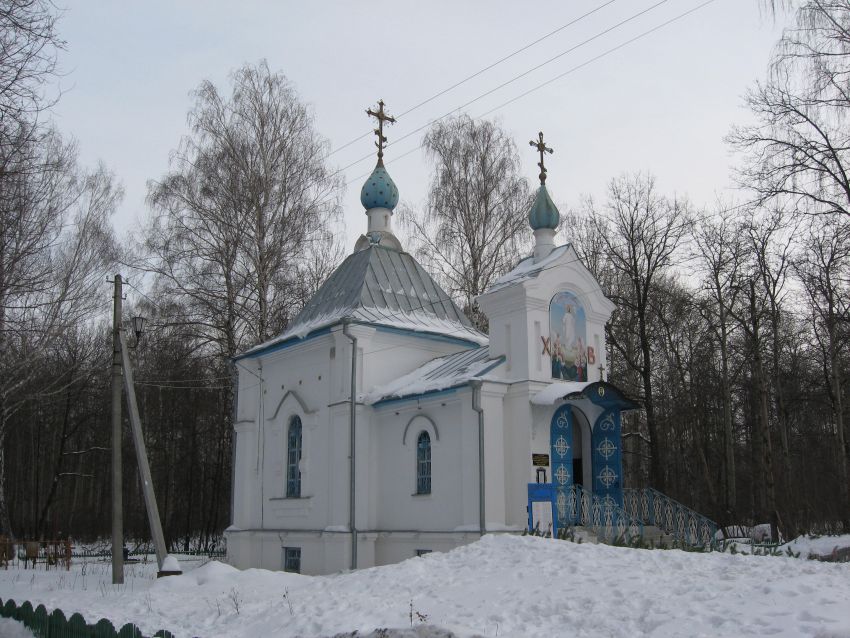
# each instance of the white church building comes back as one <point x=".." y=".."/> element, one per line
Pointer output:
<point x="382" y="425"/>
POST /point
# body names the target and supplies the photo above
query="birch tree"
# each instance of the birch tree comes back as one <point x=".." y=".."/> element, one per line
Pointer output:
<point x="246" y="206"/>
<point x="474" y="226"/>
<point x="798" y="151"/>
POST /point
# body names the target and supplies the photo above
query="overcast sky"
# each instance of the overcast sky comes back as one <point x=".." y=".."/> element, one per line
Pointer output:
<point x="661" y="104"/>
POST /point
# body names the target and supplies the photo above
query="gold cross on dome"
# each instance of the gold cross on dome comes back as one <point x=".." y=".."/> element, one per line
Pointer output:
<point x="382" y="117"/>
<point x="542" y="148"/>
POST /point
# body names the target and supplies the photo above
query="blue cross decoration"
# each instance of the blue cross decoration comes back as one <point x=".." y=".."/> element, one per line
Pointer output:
<point x="561" y="442"/>
<point x="606" y="448"/>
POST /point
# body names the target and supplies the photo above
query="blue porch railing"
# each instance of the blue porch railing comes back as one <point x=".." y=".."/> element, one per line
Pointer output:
<point x="679" y="521"/>
<point x="603" y="515"/>
<point x="573" y="505"/>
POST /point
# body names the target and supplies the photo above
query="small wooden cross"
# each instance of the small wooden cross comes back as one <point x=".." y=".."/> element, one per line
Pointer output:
<point x="601" y="372"/>
<point x="381" y="117"/>
<point x="542" y="148"/>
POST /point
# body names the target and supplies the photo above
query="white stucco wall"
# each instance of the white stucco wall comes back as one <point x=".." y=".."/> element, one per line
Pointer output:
<point x="311" y="379"/>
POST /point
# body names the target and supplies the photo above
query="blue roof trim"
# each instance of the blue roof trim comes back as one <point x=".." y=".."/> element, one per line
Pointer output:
<point x="606" y="395"/>
<point x="433" y="336"/>
<point x="282" y="345"/>
<point x="433" y="393"/>
<point x="424" y="395"/>
<point x="499" y="361"/>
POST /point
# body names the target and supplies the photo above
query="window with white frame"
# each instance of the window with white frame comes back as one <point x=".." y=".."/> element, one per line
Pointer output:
<point x="423" y="463"/>
<point x="293" y="458"/>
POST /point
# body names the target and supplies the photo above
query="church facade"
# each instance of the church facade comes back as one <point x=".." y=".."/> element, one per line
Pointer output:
<point x="382" y="425"/>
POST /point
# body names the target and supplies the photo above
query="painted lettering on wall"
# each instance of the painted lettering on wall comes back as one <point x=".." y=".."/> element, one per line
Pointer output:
<point x="567" y="338"/>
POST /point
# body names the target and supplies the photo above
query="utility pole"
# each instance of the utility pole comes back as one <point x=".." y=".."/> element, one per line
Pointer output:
<point x="117" y="482"/>
<point x="144" y="466"/>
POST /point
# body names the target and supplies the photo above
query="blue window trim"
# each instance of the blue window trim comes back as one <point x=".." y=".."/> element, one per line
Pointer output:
<point x="293" y="458"/>
<point x="423" y="463"/>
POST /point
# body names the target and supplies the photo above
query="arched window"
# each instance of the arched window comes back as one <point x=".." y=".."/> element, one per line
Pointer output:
<point x="423" y="463"/>
<point x="293" y="458"/>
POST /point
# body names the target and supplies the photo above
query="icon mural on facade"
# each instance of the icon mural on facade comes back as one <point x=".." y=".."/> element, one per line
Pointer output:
<point x="567" y="342"/>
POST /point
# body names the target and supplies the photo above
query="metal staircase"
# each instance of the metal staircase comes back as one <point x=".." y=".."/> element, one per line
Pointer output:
<point x="682" y="524"/>
<point x="647" y="517"/>
<point x="609" y="522"/>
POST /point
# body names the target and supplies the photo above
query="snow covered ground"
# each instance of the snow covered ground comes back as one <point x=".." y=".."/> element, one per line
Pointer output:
<point x="13" y="629"/>
<point x="499" y="586"/>
<point x="820" y="546"/>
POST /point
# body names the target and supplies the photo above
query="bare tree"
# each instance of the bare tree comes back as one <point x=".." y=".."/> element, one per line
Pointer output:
<point x="798" y="151"/>
<point x="817" y="47"/>
<point x="642" y="231"/>
<point x="823" y="266"/>
<point x="474" y="225"/>
<point x="29" y="44"/>
<point x="56" y="245"/>
<point x="244" y="211"/>
<point x="719" y="249"/>
<point x="770" y="240"/>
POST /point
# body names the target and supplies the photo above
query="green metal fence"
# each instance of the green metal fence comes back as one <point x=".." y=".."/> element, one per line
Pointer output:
<point x="55" y="625"/>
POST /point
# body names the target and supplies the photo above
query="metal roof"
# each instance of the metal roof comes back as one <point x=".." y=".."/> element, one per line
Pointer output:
<point x="382" y="286"/>
<point x="385" y="281"/>
<point x="445" y="372"/>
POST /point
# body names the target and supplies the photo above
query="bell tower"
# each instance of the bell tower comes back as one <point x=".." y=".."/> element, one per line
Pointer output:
<point x="547" y="316"/>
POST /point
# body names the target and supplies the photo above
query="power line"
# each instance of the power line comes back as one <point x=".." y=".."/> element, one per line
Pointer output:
<point x="184" y="387"/>
<point x="602" y="55"/>
<point x="187" y="380"/>
<point x="539" y="86"/>
<point x="522" y="75"/>
<point x="480" y="71"/>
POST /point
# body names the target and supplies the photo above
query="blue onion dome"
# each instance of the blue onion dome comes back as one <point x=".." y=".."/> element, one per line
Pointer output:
<point x="543" y="213"/>
<point x="379" y="191"/>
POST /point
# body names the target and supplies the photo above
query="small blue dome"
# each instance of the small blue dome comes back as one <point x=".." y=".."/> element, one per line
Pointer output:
<point x="543" y="213"/>
<point x="379" y="191"/>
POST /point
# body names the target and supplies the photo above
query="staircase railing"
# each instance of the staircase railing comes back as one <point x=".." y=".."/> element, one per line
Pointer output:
<point x="679" y="521"/>
<point x="603" y="515"/>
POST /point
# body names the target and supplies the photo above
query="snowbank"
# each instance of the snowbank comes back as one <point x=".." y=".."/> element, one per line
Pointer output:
<point x="819" y="546"/>
<point x="13" y="629"/>
<point x="506" y="586"/>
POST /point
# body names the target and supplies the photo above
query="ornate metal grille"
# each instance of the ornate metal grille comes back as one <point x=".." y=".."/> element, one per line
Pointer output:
<point x="293" y="458"/>
<point x="423" y="463"/>
<point x="682" y="523"/>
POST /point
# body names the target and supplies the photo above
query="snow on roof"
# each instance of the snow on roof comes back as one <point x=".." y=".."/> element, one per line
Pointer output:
<point x="528" y="269"/>
<point x="555" y="391"/>
<point x="379" y="285"/>
<point x="438" y="374"/>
